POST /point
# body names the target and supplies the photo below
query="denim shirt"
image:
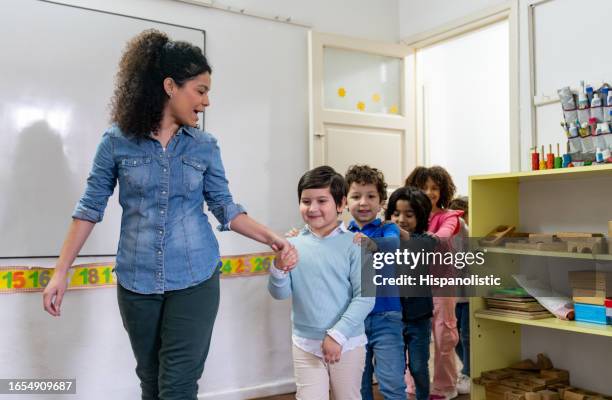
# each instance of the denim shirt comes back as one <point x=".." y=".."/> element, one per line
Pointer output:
<point x="166" y="242"/>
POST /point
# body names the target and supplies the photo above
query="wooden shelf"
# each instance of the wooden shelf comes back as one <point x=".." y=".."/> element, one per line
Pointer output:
<point x="553" y="323"/>
<point x="540" y="253"/>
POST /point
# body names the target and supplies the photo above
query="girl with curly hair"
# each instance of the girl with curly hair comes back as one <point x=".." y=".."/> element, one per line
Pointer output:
<point x="438" y="185"/>
<point x="167" y="262"/>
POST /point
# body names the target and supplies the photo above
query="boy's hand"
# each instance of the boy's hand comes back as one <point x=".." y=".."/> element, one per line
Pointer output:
<point x="331" y="350"/>
<point x="293" y="232"/>
<point x="287" y="259"/>
<point x="370" y="245"/>
<point x="404" y="234"/>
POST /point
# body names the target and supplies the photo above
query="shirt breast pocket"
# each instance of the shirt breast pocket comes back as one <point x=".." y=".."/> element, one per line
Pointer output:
<point x="135" y="172"/>
<point x="193" y="173"/>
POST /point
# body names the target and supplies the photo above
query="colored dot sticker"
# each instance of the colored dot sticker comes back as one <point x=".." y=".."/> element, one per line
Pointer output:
<point x="361" y="106"/>
<point x="393" y="109"/>
<point x="341" y="92"/>
<point x="375" y="97"/>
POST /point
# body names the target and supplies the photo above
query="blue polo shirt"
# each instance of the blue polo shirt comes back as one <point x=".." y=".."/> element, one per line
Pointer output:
<point x="387" y="238"/>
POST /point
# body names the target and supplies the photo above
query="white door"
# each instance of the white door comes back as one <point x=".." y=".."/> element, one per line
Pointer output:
<point x="361" y="105"/>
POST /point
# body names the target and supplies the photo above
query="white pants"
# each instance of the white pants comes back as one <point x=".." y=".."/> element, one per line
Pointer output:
<point x="314" y="377"/>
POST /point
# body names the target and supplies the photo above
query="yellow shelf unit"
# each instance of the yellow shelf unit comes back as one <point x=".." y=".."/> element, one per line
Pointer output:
<point x="495" y="341"/>
<point x="553" y="323"/>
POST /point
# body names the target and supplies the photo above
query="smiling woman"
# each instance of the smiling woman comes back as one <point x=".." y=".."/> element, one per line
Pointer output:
<point x="167" y="262"/>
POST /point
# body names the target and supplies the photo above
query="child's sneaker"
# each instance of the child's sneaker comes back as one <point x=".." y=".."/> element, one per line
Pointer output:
<point x="464" y="384"/>
<point x="445" y="396"/>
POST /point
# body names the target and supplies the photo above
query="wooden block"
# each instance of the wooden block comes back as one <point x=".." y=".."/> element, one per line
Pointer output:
<point x="609" y="229"/>
<point x="530" y="386"/>
<point x="497" y="235"/>
<point x="532" y="396"/>
<point x="544" y="380"/>
<point x="585" y="246"/>
<point x="573" y="394"/>
<point x="497" y="374"/>
<point x="572" y="235"/>
<point x="541" y="237"/>
<point x="549" y="395"/>
<point x="561" y="374"/>
<point x="555" y="246"/>
<point x="514" y="395"/>
<point x="511" y="382"/>
<point x="499" y="388"/>
<point x="598" y="301"/>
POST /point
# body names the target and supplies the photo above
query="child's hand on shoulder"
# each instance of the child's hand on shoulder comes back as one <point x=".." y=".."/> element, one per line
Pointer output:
<point x="293" y="232"/>
<point x="370" y="244"/>
<point x="331" y="350"/>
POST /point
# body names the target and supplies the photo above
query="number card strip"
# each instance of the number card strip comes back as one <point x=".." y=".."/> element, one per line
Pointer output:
<point x="85" y="276"/>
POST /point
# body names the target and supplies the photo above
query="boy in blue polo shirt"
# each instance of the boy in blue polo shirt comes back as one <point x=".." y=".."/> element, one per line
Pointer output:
<point x="383" y="326"/>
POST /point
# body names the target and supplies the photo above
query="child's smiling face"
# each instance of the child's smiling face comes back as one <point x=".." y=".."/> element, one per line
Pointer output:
<point x="363" y="202"/>
<point x="432" y="190"/>
<point x="319" y="210"/>
<point x="404" y="216"/>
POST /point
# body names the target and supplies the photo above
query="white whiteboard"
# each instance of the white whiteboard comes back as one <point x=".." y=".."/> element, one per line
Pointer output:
<point x="58" y="72"/>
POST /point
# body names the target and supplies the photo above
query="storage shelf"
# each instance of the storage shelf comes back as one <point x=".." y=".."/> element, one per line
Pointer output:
<point x="548" y="174"/>
<point x="541" y="253"/>
<point x="553" y="323"/>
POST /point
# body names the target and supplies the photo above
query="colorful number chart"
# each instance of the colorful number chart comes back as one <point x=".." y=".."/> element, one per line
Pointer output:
<point x="83" y="276"/>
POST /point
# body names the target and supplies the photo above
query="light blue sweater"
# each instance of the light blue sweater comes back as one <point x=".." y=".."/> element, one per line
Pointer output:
<point x="326" y="286"/>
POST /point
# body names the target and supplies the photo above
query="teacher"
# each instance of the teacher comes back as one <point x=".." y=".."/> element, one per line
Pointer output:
<point x="167" y="262"/>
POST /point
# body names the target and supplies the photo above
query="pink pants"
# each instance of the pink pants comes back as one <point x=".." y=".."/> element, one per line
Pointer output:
<point x="446" y="337"/>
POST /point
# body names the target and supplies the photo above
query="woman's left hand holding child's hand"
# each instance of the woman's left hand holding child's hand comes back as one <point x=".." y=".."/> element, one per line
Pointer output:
<point x="286" y="254"/>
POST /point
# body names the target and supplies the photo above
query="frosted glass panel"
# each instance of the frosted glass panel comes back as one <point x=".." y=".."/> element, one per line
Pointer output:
<point x="467" y="103"/>
<point x="362" y="82"/>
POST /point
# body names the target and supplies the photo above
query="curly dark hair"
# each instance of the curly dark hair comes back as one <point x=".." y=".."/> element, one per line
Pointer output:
<point x="366" y="175"/>
<point x="419" y="202"/>
<point x="418" y="177"/>
<point x="324" y="177"/>
<point x="148" y="59"/>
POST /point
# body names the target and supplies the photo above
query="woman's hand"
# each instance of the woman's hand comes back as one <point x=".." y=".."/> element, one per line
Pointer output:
<point x="286" y="254"/>
<point x="331" y="350"/>
<point x="54" y="293"/>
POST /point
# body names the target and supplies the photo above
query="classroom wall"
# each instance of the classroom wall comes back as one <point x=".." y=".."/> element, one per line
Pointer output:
<point x="250" y="352"/>
<point x="417" y="16"/>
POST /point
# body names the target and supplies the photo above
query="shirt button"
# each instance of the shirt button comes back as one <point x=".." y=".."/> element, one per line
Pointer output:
<point x="161" y="232"/>
<point x="162" y="211"/>
<point x="165" y="169"/>
<point x="163" y="192"/>
<point x="159" y="252"/>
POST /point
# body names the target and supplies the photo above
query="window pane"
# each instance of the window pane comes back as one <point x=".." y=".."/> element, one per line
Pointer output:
<point x="466" y="103"/>
<point x="362" y="82"/>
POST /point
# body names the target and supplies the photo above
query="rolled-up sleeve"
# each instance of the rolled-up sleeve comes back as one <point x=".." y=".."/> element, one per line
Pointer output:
<point x="100" y="184"/>
<point x="216" y="192"/>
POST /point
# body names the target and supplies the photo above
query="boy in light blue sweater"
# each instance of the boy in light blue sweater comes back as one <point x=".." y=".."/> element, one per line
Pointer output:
<point x="328" y="310"/>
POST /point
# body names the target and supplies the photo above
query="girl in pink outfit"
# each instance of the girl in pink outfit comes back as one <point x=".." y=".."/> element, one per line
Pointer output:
<point x="443" y="223"/>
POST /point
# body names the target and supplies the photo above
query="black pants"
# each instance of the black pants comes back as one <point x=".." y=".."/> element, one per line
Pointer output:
<point x="170" y="336"/>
